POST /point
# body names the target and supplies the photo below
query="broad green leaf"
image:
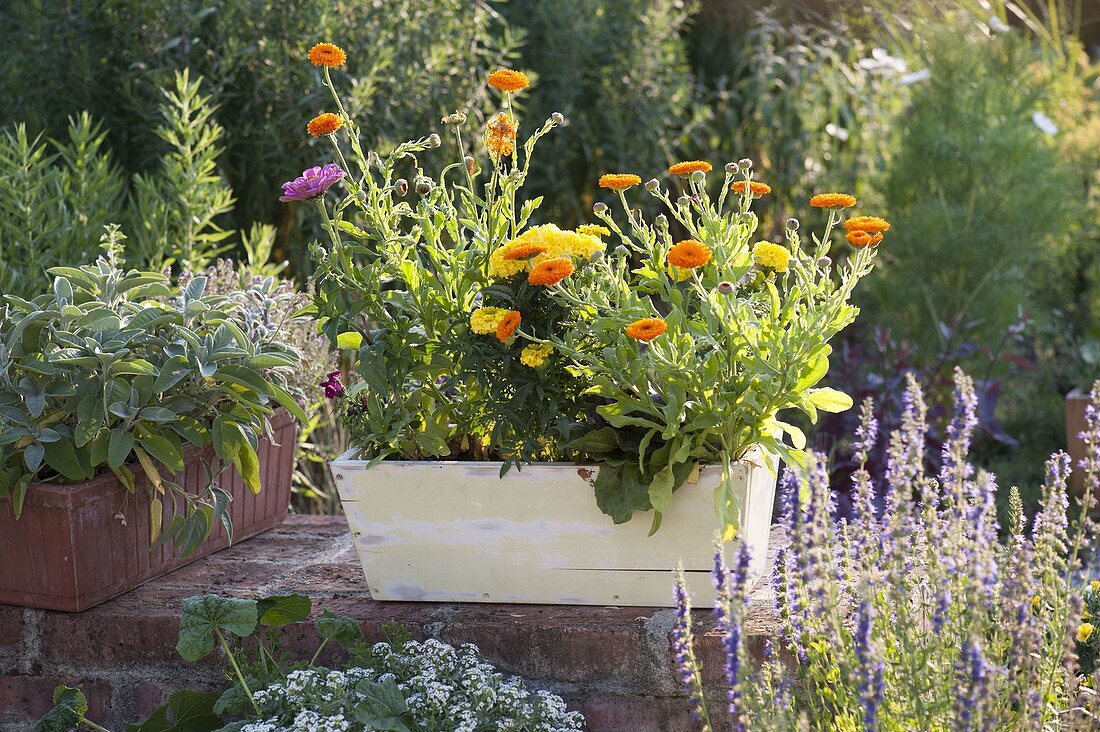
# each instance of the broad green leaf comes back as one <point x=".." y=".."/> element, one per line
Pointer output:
<point x="173" y="370"/>
<point x="382" y="707"/>
<point x="350" y="340"/>
<point x="620" y="492"/>
<point x="829" y="400"/>
<point x="164" y="450"/>
<point x="204" y="617"/>
<point x="287" y="402"/>
<point x="69" y="708"/>
<point x="341" y="628"/>
<point x="280" y="610"/>
<point x="186" y="711"/>
<point x="660" y="490"/>
<point x="118" y="449"/>
<point x="248" y="465"/>
<point x="62" y="457"/>
<point x="32" y="456"/>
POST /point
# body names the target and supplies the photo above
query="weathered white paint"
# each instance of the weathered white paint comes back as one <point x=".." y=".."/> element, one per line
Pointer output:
<point x="456" y="532"/>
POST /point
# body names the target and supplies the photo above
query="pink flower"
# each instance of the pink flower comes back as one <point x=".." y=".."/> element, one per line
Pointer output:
<point x="332" y="386"/>
<point x="313" y="183"/>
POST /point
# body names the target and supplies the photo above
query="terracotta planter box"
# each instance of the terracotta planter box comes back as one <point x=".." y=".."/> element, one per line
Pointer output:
<point x="1076" y="401"/>
<point x="457" y="532"/>
<point x="68" y="551"/>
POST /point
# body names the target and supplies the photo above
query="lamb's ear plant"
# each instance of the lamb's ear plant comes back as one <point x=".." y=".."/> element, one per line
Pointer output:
<point x="119" y="370"/>
<point x="915" y="616"/>
<point x="480" y="334"/>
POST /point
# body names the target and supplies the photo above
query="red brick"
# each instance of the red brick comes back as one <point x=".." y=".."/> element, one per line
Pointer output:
<point x="327" y="579"/>
<point x="552" y="642"/>
<point x="11" y="630"/>
<point x="636" y="714"/>
<point x="26" y="698"/>
<point x="280" y="546"/>
<point x="231" y="579"/>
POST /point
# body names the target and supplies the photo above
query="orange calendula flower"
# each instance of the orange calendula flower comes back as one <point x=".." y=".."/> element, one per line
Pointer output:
<point x="327" y="54"/>
<point x="755" y="187"/>
<point x="833" y="200"/>
<point x="551" y="272"/>
<point x="619" y="181"/>
<point x="508" y="80"/>
<point x="870" y="224"/>
<point x="863" y="238"/>
<point x="690" y="166"/>
<point x="646" y="329"/>
<point x="501" y="136"/>
<point x="508" y="325"/>
<point x="522" y="250"/>
<point x="689" y="254"/>
<point x="324" y="124"/>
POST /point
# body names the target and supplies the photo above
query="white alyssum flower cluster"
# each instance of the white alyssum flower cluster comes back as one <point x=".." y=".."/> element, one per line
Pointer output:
<point x="446" y="689"/>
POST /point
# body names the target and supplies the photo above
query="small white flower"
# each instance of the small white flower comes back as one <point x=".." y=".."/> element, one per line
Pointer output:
<point x="996" y="25"/>
<point x="1044" y="123"/>
<point x="839" y="133"/>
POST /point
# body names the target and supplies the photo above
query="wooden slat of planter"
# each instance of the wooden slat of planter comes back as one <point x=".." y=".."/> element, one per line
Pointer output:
<point x="457" y="532"/>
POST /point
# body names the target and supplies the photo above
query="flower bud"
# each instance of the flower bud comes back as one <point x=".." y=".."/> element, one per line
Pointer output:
<point x="434" y="141"/>
<point x="792" y="224"/>
<point x="745" y="164"/>
<point x="402" y="187"/>
<point x="732" y="168"/>
<point x="600" y="208"/>
<point x="597" y="256"/>
<point x="621" y="251"/>
<point x="824" y="262"/>
<point x="471" y="165"/>
<point x="457" y="118"/>
<point x="661" y="221"/>
<point x="652" y="185"/>
<point x="423" y="185"/>
<point x="683" y="201"/>
<point x="725" y="287"/>
<point x="698" y="176"/>
<point x="557" y="118"/>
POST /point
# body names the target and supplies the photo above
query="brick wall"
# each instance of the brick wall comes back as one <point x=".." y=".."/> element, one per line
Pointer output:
<point x="613" y="664"/>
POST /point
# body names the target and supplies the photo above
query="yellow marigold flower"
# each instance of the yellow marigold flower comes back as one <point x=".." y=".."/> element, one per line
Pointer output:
<point x="688" y="167"/>
<point x="594" y="230"/>
<point x="551" y="272"/>
<point x="522" y="250"/>
<point x="327" y="54"/>
<point x="689" y="254"/>
<point x="500" y="138"/>
<point x="484" y="321"/>
<point x="646" y="329"/>
<point x="535" y="355"/>
<point x="870" y="224"/>
<point x="833" y="200"/>
<point x="1036" y="602"/>
<point x="863" y="238"/>
<point x="503" y="268"/>
<point x="324" y="124"/>
<point x="1084" y="632"/>
<point x="619" y="181"/>
<point x="508" y="80"/>
<point x="771" y="255"/>
<point x="755" y="187"/>
<point x="508" y="324"/>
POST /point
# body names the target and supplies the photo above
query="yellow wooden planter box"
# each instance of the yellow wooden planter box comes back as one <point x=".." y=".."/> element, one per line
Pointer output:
<point x="456" y="532"/>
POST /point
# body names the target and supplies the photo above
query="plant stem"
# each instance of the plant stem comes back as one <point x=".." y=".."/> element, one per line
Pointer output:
<point x="317" y="655"/>
<point x="93" y="725"/>
<point x="236" y="668"/>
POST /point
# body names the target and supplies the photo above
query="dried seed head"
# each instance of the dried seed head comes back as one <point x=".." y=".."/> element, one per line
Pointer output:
<point x="458" y="118"/>
<point x="434" y="141"/>
<point x="792" y="224"/>
<point x="557" y="118"/>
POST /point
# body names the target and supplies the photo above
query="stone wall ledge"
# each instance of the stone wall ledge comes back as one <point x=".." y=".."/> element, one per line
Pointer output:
<point x="613" y="664"/>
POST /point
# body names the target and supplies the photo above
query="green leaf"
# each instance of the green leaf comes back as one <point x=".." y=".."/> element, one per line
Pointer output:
<point x="118" y="449"/>
<point x="595" y="442"/>
<point x="173" y="370"/>
<point x="350" y="340"/>
<point x="660" y="490"/>
<point x="287" y="402"/>
<point x="62" y="457"/>
<point x="248" y="465"/>
<point x="133" y="367"/>
<point x="247" y="378"/>
<point x="280" y="610"/>
<point x="32" y="456"/>
<point x="165" y="450"/>
<point x="829" y="400"/>
<point x="69" y="707"/>
<point x="382" y="706"/>
<point x="186" y="711"/>
<point x="341" y="628"/>
<point x="205" y="616"/>
<point x="815" y="372"/>
<point x="620" y="492"/>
